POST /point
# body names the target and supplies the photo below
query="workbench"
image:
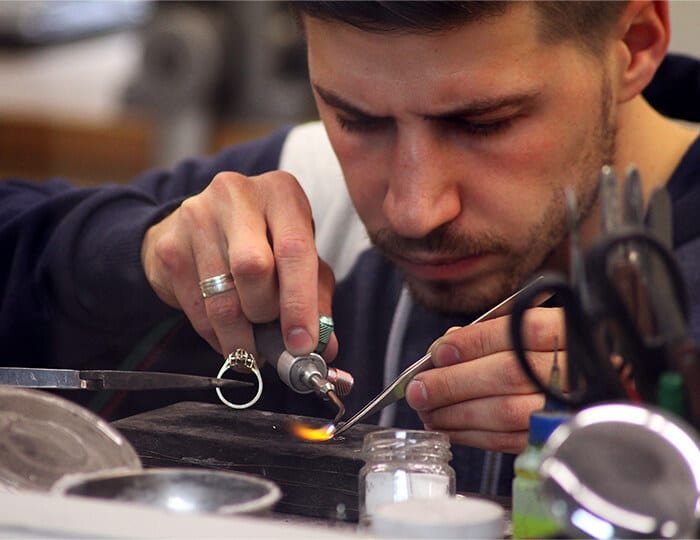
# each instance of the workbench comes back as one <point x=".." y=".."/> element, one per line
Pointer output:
<point x="317" y="479"/>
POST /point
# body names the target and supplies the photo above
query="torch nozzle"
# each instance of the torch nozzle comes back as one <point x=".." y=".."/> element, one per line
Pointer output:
<point x="332" y="396"/>
<point x="324" y="388"/>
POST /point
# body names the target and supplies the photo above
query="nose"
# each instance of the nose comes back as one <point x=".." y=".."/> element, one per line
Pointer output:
<point x="423" y="189"/>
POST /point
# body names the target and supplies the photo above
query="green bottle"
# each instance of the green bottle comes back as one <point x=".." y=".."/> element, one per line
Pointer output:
<point x="531" y="518"/>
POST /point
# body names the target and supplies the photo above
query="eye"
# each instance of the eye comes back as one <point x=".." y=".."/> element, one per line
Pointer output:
<point x="364" y="124"/>
<point x="481" y="128"/>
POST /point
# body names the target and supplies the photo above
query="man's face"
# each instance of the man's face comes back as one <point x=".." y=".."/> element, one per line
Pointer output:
<point x="457" y="147"/>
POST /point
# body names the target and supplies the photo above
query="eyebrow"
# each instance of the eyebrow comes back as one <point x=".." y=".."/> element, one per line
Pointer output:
<point x="485" y="106"/>
<point x="474" y="108"/>
<point x="334" y="100"/>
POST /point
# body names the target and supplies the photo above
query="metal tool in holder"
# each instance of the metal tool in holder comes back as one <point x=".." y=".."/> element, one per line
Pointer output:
<point x="104" y="379"/>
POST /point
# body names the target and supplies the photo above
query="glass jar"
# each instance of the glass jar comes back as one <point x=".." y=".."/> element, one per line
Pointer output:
<point x="402" y="465"/>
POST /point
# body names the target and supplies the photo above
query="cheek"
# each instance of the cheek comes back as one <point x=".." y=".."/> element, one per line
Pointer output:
<point x="557" y="147"/>
<point x="514" y="171"/>
<point x="528" y="171"/>
<point x="541" y="152"/>
<point x="367" y="191"/>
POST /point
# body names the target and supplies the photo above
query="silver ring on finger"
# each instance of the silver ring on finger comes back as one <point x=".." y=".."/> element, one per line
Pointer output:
<point x="240" y="358"/>
<point x="216" y="285"/>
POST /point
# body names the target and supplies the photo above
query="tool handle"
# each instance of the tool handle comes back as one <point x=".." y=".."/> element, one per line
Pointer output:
<point x="270" y="344"/>
<point x="303" y="374"/>
<point x="268" y="341"/>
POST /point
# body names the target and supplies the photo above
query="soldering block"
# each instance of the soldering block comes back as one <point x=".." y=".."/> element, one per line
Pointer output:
<point x="317" y="479"/>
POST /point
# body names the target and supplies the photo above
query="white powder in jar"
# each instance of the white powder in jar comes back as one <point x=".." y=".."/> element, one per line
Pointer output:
<point x="400" y="485"/>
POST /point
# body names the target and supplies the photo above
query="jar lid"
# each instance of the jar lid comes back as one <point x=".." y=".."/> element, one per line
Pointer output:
<point x="442" y="517"/>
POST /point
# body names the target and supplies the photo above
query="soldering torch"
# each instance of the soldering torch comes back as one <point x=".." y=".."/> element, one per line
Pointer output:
<point x="306" y="373"/>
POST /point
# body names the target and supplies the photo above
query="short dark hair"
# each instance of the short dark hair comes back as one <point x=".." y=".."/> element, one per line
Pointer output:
<point x="586" y="22"/>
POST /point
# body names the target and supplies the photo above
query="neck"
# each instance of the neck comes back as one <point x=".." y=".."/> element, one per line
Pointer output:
<point x="654" y="143"/>
<point x="650" y="141"/>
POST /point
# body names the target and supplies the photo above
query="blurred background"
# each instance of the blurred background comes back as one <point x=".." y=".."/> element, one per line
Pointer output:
<point x="98" y="91"/>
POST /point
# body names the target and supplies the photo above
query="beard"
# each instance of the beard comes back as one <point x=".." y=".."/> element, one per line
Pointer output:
<point x="541" y="241"/>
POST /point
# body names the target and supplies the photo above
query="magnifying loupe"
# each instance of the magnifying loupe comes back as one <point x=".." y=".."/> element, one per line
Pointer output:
<point x="624" y="471"/>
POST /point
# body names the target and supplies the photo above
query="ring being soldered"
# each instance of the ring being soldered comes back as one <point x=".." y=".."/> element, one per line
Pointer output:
<point x="240" y="358"/>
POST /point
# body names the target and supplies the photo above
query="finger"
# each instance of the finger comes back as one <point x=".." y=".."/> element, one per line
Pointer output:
<point x="499" y="373"/>
<point x="489" y="337"/>
<point x="493" y="413"/>
<point x="297" y="265"/>
<point x="326" y="287"/>
<point x="497" y="441"/>
<point x="223" y="309"/>
<point x="331" y="350"/>
<point x="542" y="328"/>
<point x="190" y="299"/>
<point x="246" y="244"/>
<point x="164" y="256"/>
<point x="171" y="270"/>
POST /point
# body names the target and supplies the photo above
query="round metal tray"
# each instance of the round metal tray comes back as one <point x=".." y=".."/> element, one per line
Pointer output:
<point x="44" y="437"/>
<point x="177" y="489"/>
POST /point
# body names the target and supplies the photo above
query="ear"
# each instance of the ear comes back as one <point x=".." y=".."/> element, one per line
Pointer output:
<point x="644" y="34"/>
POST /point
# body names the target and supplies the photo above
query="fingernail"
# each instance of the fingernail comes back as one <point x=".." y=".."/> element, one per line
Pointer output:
<point x="446" y="355"/>
<point x="416" y="394"/>
<point x="299" y="341"/>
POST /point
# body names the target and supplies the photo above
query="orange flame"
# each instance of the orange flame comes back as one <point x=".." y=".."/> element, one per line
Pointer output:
<point x="309" y="433"/>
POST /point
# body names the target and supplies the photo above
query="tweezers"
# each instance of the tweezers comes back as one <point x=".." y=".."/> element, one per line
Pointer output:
<point x="110" y="379"/>
<point x="397" y="390"/>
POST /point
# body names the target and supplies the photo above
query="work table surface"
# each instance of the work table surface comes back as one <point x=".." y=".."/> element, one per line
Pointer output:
<point x="318" y="479"/>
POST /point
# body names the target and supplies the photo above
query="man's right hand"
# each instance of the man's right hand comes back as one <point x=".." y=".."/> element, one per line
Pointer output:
<point x="477" y="392"/>
<point x="260" y="230"/>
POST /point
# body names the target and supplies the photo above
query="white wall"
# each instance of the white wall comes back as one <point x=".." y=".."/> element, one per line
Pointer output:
<point x="685" y="26"/>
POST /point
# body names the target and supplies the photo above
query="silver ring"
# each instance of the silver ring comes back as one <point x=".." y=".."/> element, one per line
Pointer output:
<point x="216" y="285"/>
<point x="240" y="358"/>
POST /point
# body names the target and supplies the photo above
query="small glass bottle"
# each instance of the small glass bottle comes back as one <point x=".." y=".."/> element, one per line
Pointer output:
<point x="531" y="517"/>
<point x="402" y="465"/>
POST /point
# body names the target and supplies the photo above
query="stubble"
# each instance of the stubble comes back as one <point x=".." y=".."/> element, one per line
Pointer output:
<point x="542" y="240"/>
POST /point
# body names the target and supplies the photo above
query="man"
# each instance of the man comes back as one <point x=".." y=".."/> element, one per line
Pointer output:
<point x="457" y="128"/>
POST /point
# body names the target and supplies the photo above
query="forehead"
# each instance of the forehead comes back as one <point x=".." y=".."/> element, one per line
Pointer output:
<point x="499" y="50"/>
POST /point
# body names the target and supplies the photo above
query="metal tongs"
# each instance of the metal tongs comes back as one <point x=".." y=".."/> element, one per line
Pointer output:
<point x="102" y="379"/>
<point x="397" y="390"/>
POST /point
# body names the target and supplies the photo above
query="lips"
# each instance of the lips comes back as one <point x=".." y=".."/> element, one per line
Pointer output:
<point x="441" y="268"/>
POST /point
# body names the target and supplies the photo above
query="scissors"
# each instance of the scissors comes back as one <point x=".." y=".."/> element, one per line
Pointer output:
<point x="624" y="307"/>
<point x="397" y="389"/>
<point x="72" y="379"/>
<point x="591" y="376"/>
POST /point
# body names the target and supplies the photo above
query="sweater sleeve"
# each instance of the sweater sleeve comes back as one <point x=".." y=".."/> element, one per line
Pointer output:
<point x="73" y="290"/>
